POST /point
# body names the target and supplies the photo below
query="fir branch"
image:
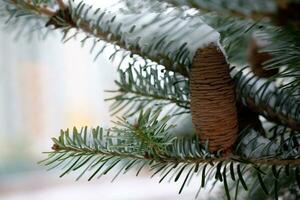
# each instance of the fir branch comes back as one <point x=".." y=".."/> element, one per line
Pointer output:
<point x="149" y="132"/>
<point x="242" y="9"/>
<point x="25" y="18"/>
<point x="106" y="29"/>
<point x="159" y="46"/>
<point x="32" y="6"/>
<point x="103" y="25"/>
<point x="147" y="143"/>
<point x="282" y="13"/>
<point x="152" y="133"/>
<point x="97" y="22"/>
<point x="141" y="87"/>
<point x="266" y="99"/>
<point x="284" y="46"/>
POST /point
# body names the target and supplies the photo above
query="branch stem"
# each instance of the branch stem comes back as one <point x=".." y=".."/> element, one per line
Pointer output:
<point x="43" y="10"/>
<point x="187" y="160"/>
<point x="61" y="4"/>
<point x="156" y="97"/>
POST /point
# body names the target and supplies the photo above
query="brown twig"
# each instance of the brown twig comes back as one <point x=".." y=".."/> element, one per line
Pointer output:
<point x="44" y="10"/>
<point x="268" y="112"/>
<point x="190" y="160"/>
<point x="61" y="4"/>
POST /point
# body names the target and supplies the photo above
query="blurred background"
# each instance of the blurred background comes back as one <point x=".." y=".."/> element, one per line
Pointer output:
<point x="46" y="86"/>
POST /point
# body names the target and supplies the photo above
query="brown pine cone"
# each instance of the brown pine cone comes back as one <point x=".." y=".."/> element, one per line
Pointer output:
<point x="213" y="104"/>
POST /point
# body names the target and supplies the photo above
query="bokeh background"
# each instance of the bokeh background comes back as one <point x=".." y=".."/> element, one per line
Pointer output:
<point x="46" y="86"/>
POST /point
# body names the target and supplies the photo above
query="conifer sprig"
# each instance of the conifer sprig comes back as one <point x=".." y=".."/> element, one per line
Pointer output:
<point x="145" y="86"/>
<point x="148" y="142"/>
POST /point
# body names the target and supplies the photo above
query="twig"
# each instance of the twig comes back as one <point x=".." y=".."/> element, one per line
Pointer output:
<point x="189" y="160"/>
<point x="61" y="4"/>
<point x="269" y="113"/>
<point x="45" y="10"/>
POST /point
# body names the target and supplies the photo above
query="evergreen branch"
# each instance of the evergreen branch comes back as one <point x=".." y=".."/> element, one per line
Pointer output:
<point x="147" y="143"/>
<point x="101" y="24"/>
<point x="25" y="17"/>
<point x="269" y="113"/>
<point x="147" y="86"/>
<point x="280" y="13"/>
<point x="123" y="29"/>
<point x="148" y="132"/>
<point x="105" y="26"/>
<point x="255" y="10"/>
<point x="234" y="35"/>
<point x="284" y="46"/>
<point x="152" y="133"/>
<point x="33" y="6"/>
<point x="264" y="98"/>
<point x="255" y="191"/>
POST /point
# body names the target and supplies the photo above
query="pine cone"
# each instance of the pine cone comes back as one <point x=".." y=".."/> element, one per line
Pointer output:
<point x="213" y="103"/>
